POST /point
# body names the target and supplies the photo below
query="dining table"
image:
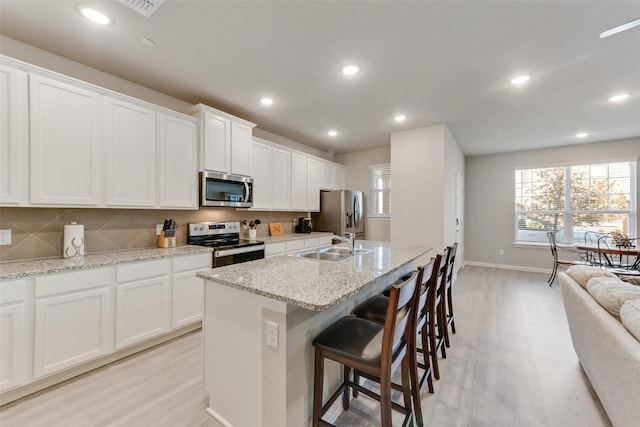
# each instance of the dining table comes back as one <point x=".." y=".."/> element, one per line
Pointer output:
<point x="627" y="257"/>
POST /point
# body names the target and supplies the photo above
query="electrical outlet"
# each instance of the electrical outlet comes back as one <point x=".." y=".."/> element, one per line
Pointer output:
<point x="159" y="229"/>
<point x="5" y="237"/>
<point x="500" y="251"/>
<point x="272" y="334"/>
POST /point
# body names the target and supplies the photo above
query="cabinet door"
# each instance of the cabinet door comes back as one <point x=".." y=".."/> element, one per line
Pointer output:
<point x="327" y="175"/>
<point x="70" y="329"/>
<point x="313" y="185"/>
<point x="216" y="143"/>
<point x="177" y="162"/>
<point x="143" y="310"/>
<point x="240" y="149"/>
<point x="281" y="178"/>
<point x="188" y="298"/>
<point x="65" y="147"/>
<point x="13" y="136"/>
<point x="261" y="173"/>
<point x="273" y="249"/>
<point x="130" y="131"/>
<point x="339" y="178"/>
<point x="298" y="182"/>
<point x="12" y="345"/>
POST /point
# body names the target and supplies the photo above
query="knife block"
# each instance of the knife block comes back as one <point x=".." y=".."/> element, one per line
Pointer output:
<point x="166" y="242"/>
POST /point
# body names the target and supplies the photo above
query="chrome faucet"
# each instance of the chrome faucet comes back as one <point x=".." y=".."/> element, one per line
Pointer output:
<point x="349" y="238"/>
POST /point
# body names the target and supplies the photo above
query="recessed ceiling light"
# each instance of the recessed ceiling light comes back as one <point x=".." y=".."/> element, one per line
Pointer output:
<point x="333" y="133"/>
<point x="620" y="97"/>
<point x="147" y="42"/>
<point x="95" y="16"/>
<point x="400" y="118"/>
<point x="266" y="101"/>
<point x="520" y="79"/>
<point x="582" y="134"/>
<point x="350" y="70"/>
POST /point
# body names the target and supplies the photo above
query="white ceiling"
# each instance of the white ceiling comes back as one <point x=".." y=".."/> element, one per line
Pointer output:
<point x="436" y="61"/>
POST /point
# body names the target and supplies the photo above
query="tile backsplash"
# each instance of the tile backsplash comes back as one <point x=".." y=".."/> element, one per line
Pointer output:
<point x="38" y="232"/>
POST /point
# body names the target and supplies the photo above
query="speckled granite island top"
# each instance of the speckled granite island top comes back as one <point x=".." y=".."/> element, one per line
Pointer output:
<point x="312" y="284"/>
<point x="17" y="269"/>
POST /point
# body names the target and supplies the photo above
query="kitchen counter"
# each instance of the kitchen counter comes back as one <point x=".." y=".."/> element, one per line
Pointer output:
<point x="261" y="317"/>
<point x="17" y="269"/>
<point x="312" y="284"/>
<point x="292" y="236"/>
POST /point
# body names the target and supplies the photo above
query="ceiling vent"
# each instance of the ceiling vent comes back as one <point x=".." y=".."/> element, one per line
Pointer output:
<point x="143" y="7"/>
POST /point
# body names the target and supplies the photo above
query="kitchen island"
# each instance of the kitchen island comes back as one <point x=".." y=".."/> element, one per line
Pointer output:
<point x="260" y="318"/>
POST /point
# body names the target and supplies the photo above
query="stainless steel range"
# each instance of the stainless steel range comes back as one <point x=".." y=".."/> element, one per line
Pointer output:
<point x="225" y="238"/>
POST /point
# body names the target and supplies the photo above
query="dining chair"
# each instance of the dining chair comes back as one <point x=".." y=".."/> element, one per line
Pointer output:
<point x="450" y="271"/>
<point x="556" y="261"/>
<point x="374" y="350"/>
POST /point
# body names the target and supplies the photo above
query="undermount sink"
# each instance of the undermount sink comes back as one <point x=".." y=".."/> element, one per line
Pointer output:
<point x="331" y="254"/>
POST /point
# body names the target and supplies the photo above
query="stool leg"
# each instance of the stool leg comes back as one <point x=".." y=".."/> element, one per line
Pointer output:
<point x="413" y="378"/>
<point x="345" y="393"/>
<point x="450" y="304"/>
<point x="431" y="350"/>
<point x="318" y="378"/>
<point x="385" y="399"/>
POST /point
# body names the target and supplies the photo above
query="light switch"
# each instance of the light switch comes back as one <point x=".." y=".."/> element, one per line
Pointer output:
<point x="272" y="334"/>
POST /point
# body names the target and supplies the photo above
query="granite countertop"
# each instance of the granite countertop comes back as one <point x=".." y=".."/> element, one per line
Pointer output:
<point x="21" y="269"/>
<point x="293" y="236"/>
<point x="312" y="284"/>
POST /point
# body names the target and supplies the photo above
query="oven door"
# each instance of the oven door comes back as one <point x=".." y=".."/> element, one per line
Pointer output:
<point x="237" y="255"/>
<point x="219" y="189"/>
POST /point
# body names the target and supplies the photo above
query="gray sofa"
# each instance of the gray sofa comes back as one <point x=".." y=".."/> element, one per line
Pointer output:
<point x="608" y="353"/>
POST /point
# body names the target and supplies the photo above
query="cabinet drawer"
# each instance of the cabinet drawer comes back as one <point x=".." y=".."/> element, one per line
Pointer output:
<point x="194" y="262"/>
<point x="12" y="291"/>
<point x="295" y="245"/>
<point x="143" y="270"/>
<point x="326" y="240"/>
<point x="313" y="242"/>
<point x="273" y="249"/>
<point x="69" y="282"/>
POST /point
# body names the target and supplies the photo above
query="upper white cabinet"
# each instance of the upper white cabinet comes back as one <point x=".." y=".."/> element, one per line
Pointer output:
<point x="261" y="174"/>
<point x="14" y="133"/>
<point x="65" y="146"/>
<point x="332" y="176"/>
<point x="340" y="178"/>
<point x="313" y="185"/>
<point x="177" y="161"/>
<point x="225" y="141"/>
<point x="130" y="131"/>
<point x="298" y="182"/>
<point x="280" y="178"/>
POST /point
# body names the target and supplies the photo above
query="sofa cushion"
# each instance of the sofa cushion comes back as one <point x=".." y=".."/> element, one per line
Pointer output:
<point x="634" y="280"/>
<point x="611" y="293"/>
<point x="582" y="273"/>
<point x="630" y="316"/>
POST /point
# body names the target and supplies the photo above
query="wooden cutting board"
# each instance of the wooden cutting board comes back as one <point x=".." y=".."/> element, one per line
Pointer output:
<point x="275" y="228"/>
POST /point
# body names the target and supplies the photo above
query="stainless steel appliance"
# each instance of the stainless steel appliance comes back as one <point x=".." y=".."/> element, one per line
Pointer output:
<point x="220" y="189"/>
<point x="303" y="225"/>
<point x="224" y="237"/>
<point x="340" y="212"/>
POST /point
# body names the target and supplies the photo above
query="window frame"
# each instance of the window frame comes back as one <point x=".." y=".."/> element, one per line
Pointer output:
<point x="567" y="212"/>
<point x="373" y="211"/>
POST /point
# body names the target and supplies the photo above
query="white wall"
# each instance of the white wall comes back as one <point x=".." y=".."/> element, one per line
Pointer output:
<point x="424" y="165"/>
<point x="490" y="198"/>
<point x="358" y="178"/>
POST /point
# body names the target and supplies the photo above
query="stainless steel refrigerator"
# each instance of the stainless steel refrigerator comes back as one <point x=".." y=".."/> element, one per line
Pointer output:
<point x="340" y="212"/>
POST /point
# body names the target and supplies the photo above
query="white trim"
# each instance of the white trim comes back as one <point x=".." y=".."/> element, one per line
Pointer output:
<point x="218" y="418"/>
<point x="509" y="267"/>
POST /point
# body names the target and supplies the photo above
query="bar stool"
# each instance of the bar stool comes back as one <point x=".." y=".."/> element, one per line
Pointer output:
<point x="372" y="349"/>
<point x="440" y="317"/>
<point x="450" y="266"/>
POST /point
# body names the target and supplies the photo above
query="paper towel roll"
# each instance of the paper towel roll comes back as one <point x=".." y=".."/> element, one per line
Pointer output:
<point x="73" y="241"/>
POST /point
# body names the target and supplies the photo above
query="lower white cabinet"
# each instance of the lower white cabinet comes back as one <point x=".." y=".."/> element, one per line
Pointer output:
<point x="289" y="246"/>
<point x="12" y="334"/>
<point x="188" y="289"/>
<point x="143" y="305"/>
<point x="72" y="319"/>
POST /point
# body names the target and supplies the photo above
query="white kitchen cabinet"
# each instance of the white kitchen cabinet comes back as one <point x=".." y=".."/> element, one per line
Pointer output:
<point x="295" y="245"/>
<point x="188" y="289"/>
<point x="72" y="319"/>
<point x="143" y="303"/>
<point x="280" y="178"/>
<point x="298" y="182"/>
<point x="177" y="144"/>
<point x="313" y="185"/>
<point x="290" y="246"/>
<point x="274" y="249"/>
<point x="261" y="174"/>
<point x="130" y="134"/>
<point x="225" y="141"/>
<point x="327" y="176"/>
<point x="12" y="334"/>
<point x="65" y="145"/>
<point x="14" y="134"/>
<point x="339" y="178"/>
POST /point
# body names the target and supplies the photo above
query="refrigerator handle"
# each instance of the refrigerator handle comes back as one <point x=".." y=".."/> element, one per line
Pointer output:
<point x="355" y="211"/>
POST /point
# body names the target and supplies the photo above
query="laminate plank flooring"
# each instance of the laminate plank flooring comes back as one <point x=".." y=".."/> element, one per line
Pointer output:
<point x="511" y="363"/>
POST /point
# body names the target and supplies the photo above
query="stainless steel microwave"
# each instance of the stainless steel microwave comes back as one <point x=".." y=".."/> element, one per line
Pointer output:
<point x="224" y="190"/>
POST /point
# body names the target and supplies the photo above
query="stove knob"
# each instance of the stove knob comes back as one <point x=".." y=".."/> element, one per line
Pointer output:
<point x="201" y="228"/>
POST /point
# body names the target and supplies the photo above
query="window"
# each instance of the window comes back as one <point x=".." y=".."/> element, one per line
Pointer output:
<point x="380" y="191"/>
<point x="573" y="199"/>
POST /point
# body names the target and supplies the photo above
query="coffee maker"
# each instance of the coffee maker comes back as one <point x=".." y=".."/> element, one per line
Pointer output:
<point x="303" y="225"/>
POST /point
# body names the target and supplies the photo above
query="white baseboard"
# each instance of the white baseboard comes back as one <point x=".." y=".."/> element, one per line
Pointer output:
<point x="509" y="267"/>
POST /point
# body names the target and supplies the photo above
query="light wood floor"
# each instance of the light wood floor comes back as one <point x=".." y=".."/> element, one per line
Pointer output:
<point x="510" y="364"/>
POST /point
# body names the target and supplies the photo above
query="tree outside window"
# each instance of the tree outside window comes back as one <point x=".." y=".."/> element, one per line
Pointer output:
<point x="573" y="199"/>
